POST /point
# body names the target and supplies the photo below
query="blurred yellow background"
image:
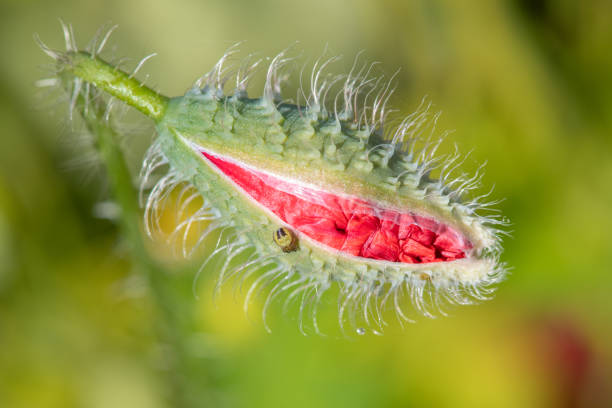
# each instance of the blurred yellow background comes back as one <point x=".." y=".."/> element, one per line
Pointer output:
<point x="526" y="84"/>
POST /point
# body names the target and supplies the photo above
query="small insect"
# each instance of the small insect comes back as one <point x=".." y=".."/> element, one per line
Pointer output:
<point x="358" y="191"/>
<point x="286" y="239"/>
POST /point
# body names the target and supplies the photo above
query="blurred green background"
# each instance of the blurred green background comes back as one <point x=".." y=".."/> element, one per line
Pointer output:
<point x="526" y="84"/>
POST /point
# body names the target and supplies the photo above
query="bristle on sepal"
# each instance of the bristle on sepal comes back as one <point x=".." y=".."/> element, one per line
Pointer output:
<point x="378" y="213"/>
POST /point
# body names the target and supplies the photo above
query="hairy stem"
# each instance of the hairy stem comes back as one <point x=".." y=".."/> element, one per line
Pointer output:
<point x="114" y="81"/>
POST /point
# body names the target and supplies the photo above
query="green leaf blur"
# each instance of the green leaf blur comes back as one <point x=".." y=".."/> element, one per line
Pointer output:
<point x="526" y="84"/>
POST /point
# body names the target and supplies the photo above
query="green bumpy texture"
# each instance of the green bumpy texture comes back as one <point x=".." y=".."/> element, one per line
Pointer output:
<point x="327" y="152"/>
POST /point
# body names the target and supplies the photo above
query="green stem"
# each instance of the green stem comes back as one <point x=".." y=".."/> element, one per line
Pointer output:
<point x="115" y="82"/>
<point x="187" y="381"/>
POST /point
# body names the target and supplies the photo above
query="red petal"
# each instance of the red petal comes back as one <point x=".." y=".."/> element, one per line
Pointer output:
<point x="382" y="245"/>
<point x="358" y="230"/>
<point x="416" y="249"/>
<point x="324" y="231"/>
<point x="427" y="223"/>
<point x="348" y="224"/>
<point x="407" y="258"/>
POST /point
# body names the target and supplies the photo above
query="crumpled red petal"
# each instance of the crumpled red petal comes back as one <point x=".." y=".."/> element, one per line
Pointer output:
<point x="347" y="224"/>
